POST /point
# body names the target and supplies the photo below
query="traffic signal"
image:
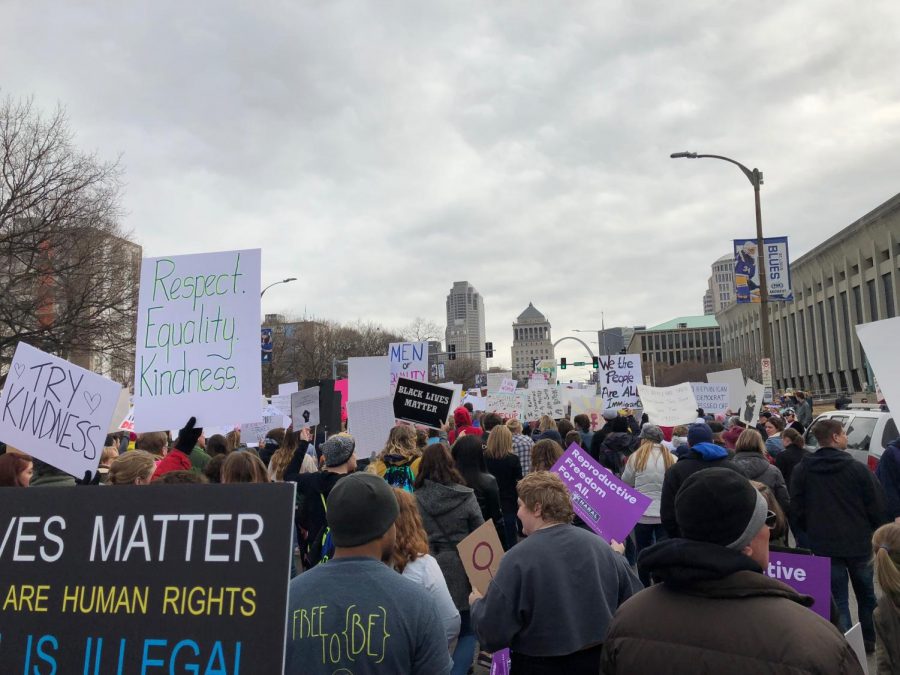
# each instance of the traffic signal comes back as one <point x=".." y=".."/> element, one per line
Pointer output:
<point x="596" y="363"/>
<point x="451" y="352"/>
<point x="562" y="363"/>
<point x="489" y="349"/>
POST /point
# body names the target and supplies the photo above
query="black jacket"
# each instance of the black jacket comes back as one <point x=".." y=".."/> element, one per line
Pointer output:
<point x="487" y="492"/>
<point x="787" y="460"/>
<point x="837" y="502"/>
<point x="676" y="474"/>
<point x="508" y="472"/>
<point x="310" y="513"/>
<point x="889" y="474"/>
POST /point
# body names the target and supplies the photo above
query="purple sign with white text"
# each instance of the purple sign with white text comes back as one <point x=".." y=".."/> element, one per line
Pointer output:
<point x="807" y="574"/>
<point x="500" y="663"/>
<point x="607" y="505"/>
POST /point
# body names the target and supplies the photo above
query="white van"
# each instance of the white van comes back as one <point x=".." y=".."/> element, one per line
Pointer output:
<point x="868" y="431"/>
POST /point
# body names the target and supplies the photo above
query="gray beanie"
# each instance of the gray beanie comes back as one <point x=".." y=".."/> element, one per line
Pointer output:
<point x="651" y="432"/>
<point x="610" y="414"/>
<point x="338" y="449"/>
<point x="360" y="508"/>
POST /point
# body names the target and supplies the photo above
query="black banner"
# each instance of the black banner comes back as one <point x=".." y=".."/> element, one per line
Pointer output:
<point x="145" y="579"/>
<point x="329" y="405"/>
<point x="422" y="403"/>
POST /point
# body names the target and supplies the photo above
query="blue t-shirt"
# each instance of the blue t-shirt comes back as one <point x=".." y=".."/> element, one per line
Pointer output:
<point x="357" y="615"/>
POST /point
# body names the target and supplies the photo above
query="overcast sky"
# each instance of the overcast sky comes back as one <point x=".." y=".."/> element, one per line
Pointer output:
<point x="381" y="151"/>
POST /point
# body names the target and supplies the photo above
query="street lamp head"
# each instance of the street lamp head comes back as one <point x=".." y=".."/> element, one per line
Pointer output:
<point x="682" y="155"/>
<point x="284" y="281"/>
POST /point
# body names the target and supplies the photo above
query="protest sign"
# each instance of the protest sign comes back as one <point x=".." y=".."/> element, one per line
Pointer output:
<point x="369" y="377"/>
<point x="282" y="403"/>
<point x="669" y="406"/>
<point x="113" y="580"/>
<point x="592" y="406"/>
<point x="288" y="388"/>
<point x="305" y="408"/>
<point x="472" y="397"/>
<point x="369" y="422"/>
<point x="253" y="434"/>
<point x="495" y="381"/>
<point x="734" y="378"/>
<point x="127" y="424"/>
<point x="537" y="402"/>
<point x="713" y="398"/>
<point x="409" y="360"/>
<point x="537" y="381"/>
<point x="340" y="387"/>
<point x="879" y="342"/>
<point x="506" y="405"/>
<point x="56" y="411"/>
<point x="606" y="504"/>
<point x="507" y="386"/>
<point x="856" y="641"/>
<point x="753" y="400"/>
<point x="123" y="407"/>
<point x="807" y="574"/>
<point x="481" y="553"/>
<point x="422" y="403"/>
<point x="501" y="662"/>
<point x="196" y="340"/>
<point x="618" y="380"/>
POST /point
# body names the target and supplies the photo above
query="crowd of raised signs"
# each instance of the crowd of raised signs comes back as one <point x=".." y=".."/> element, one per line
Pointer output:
<point x="381" y="582"/>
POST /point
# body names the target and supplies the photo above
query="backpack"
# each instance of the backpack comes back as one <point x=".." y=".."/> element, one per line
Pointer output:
<point x="399" y="476"/>
<point x="321" y="547"/>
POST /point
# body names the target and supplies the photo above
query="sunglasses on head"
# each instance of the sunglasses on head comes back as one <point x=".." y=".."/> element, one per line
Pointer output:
<point x="771" y="519"/>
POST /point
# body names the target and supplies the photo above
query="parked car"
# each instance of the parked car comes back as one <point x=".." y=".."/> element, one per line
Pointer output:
<point x="868" y="431"/>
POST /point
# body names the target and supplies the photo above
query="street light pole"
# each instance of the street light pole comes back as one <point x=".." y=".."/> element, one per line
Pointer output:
<point x="755" y="177"/>
<point x="283" y="281"/>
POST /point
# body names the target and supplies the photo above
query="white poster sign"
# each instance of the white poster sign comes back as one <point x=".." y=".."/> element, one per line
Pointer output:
<point x="305" y="408"/>
<point x="537" y="402"/>
<point x="669" y="406"/>
<point x="734" y="378"/>
<point x="495" y="380"/>
<point x="592" y="406"/>
<point x="854" y="637"/>
<point x="123" y="407"/>
<point x="537" y="381"/>
<point x="370" y="422"/>
<point x="753" y="402"/>
<point x="713" y="398"/>
<point x="368" y="377"/>
<point x="409" y="360"/>
<point x="56" y="411"/>
<point x="504" y="403"/>
<point x="507" y="386"/>
<point x="198" y="340"/>
<point x="618" y="380"/>
<point x="879" y="342"/>
<point x="288" y="388"/>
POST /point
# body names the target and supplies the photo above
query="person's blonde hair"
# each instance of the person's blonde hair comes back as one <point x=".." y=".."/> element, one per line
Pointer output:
<point x="126" y="469"/>
<point x="642" y="455"/>
<point x="750" y="440"/>
<point x="515" y="426"/>
<point x="544" y="454"/>
<point x="412" y="539"/>
<point x="886" y="547"/>
<point x="546" y="489"/>
<point x="499" y="442"/>
<point x="546" y="422"/>
<point x="243" y="467"/>
<point x="108" y="454"/>
<point x="401" y="441"/>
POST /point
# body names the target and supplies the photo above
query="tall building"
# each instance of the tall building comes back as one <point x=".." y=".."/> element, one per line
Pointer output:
<point x="720" y="286"/>
<point x="465" y="322"/>
<point x="531" y="342"/>
<point x="708" y="299"/>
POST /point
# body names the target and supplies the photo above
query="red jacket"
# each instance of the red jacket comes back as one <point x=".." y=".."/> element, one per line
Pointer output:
<point x="176" y="460"/>
<point x="463" y="423"/>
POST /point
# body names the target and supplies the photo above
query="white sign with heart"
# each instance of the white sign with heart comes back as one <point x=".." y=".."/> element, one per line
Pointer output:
<point x="56" y="411"/>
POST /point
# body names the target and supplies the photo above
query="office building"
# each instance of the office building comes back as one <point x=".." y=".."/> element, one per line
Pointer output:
<point x="684" y="339"/>
<point x="531" y="342"/>
<point x="465" y="323"/>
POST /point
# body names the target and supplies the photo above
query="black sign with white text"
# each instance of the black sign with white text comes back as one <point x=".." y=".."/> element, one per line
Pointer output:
<point x="145" y="579"/>
<point x="422" y="403"/>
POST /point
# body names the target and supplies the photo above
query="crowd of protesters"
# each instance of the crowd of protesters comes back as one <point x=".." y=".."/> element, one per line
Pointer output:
<point x="380" y="535"/>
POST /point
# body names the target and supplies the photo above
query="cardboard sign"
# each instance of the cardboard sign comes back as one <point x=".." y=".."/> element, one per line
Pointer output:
<point x="305" y="408"/>
<point x="669" y="406"/>
<point x="734" y="378"/>
<point x="422" y="403"/>
<point x="56" y="411"/>
<point x="609" y="506"/>
<point x="408" y="360"/>
<point x="713" y="398"/>
<point x="753" y="402"/>
<point x="618" y="380"/>
<point x="370" y="422"/>
<point x="879" y="341"/>
<point x="481" y="553"/>
<point x="537" y="402"/>
<point x="196" y="347"/>
<point x="807" y="574"/>
<point x="113" y="580"/>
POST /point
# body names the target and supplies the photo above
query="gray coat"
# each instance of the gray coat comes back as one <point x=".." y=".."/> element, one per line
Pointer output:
<point x="450" y="513"/>
<point x="756" y="467"/>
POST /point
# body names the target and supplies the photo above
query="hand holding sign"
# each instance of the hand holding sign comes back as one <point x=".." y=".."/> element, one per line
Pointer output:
<point x="481" y="553"/>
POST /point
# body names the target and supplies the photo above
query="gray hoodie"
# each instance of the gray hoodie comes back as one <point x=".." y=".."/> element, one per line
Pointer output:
<point x="450" y="513"/>
<point x="756" y="467"/>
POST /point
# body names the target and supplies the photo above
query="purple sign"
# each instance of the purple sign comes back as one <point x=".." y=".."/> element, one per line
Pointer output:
<point x="608" y="506"/>
<point x="500" y="663"/>
<point x="807" y="574"/>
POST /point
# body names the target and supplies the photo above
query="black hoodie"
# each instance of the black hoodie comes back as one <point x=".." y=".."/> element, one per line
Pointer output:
<point x="837" y="502"/>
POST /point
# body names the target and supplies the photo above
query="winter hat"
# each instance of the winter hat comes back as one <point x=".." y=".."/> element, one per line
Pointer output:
<point x="360" y="508"/>
<point x="610" y="414"/>
<point x="338" y="449"/>
<point x="720" y="506"/>
<point x="699" y="433"/>
<point x="651" y="432"/>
